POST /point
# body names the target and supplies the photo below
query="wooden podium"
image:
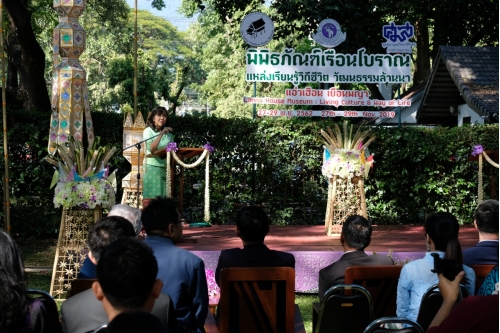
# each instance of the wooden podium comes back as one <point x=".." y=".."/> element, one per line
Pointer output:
<point x="183" y="154"/>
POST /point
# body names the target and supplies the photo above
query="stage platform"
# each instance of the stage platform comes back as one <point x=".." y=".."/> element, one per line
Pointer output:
<point x="312" y="248"/>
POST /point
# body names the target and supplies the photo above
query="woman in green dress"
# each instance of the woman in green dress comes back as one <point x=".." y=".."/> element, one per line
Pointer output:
<point x="154" y="181"/>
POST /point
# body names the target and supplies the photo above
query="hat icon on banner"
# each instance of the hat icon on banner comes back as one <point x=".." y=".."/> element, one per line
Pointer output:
<point x="329" y="33"/>
<point x="257" y="29"/>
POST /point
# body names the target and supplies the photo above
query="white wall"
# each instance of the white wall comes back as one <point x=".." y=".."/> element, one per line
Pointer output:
<point x="408" y="116"/>
<point x="465" y="111"/>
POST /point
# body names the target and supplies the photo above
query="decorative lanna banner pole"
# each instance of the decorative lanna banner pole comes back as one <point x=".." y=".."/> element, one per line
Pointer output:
<point x="69" y="80"/>
<point x="345" y="166"/>
<point x="208" y="149"/>
<point x="82" y="189"/>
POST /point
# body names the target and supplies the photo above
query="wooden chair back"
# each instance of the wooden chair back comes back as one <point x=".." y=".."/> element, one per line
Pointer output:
<point x="257" y="300"/>
<point x="381" y="282"/>
<point x="481" y="272"/>
<point x="79" y="285"/>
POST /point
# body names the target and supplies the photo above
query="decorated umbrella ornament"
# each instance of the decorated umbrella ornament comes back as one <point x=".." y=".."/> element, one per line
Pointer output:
<point x="70" y="104"/>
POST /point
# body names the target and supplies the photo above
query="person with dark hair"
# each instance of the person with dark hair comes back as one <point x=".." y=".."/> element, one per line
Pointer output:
<point x="154" y="180"/>
<point x="474" y="314"/>
<point x="252" y="226"/>
<point x="441" y="237"/>
<point x="355" y="237"/>
<point x="182" y="273"/>
<point x="126" y="280"/>
<point x="134" y="322"/>
<point x="486" y="223"/>
<point x="82" y="313"/>
<point x="20" y="313"/>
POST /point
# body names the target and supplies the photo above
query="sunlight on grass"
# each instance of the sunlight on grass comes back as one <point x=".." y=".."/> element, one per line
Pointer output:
<point x="305" y="302"/>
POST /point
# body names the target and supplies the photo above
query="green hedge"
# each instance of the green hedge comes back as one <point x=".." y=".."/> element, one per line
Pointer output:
<point x="274" y="162"/>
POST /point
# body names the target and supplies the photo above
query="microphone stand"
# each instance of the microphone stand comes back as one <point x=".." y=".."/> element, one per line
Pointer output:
<point x="138" y="146"/>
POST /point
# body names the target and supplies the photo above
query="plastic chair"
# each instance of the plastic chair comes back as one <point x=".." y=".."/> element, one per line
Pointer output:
<point x="375" y="326"/>
<point x="430" y="304"/>
<point x="344" y="308"/>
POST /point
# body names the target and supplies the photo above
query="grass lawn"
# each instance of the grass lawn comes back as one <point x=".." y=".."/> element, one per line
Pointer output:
<point x="37" y="252"/>
<point x="305" y="305"/>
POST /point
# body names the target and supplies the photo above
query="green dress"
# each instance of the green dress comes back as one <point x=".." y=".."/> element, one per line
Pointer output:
<point x="154" y="180"/>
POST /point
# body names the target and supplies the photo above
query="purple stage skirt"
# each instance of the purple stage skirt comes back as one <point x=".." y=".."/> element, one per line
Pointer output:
<point x="307" y="266"/>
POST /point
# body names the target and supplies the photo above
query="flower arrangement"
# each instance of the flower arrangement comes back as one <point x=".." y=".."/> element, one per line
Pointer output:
<point x="345" y="153"/>
<point x="84" y="194"/>
<point x="82" y="181"/>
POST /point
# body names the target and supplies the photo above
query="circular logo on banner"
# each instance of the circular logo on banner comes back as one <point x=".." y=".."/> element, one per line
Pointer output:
<point x="257" y="29"/>
<point x="329" y="33"/>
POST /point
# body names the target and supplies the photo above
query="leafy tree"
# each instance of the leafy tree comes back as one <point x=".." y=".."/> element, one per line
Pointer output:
<point x="165" y="62"/>
<point x="28" y="19"/>
<point x="221" y="51"/>
<point x="449" y="22"/>
<point x="438" y="22"/>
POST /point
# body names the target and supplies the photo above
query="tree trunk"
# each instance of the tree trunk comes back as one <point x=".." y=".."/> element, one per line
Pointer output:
<point x="31" y="64"/>
<point x="422" y="64"/>
<point x="374" y="91"/>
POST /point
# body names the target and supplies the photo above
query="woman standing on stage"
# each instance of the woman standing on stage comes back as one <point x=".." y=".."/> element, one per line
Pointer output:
<point x="154" y="181"/>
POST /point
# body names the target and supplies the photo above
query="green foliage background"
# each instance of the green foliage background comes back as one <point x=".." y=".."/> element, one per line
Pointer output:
<point x="271" y="162"/>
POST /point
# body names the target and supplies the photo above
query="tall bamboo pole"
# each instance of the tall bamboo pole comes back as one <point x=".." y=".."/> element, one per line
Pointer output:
<point x="5" y="144"/>
<point x="135" y="99"/>
<point x="135" y="61"/>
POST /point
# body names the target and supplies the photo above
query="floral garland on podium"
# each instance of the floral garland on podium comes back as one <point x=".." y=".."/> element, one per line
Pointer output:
<point x="345" y="166"/>
<point x="171" y="149"/>
<point x="479" y="150"/>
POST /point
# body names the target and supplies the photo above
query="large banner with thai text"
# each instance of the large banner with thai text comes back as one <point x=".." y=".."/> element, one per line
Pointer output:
<point x="325" y="113"/>
<point x="262" y="65"/>
<point x="334" y="97"/>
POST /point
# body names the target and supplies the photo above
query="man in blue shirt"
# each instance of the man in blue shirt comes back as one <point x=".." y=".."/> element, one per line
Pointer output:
<point x="182" y="273"/>
<point x="486" y="222"/>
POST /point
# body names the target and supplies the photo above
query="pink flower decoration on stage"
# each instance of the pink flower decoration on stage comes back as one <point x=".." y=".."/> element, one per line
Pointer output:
<point x="208" y="147"/>
<point x="172" y="146"/>
<point x="360" y="145"/>
<point x="478" y="149"/>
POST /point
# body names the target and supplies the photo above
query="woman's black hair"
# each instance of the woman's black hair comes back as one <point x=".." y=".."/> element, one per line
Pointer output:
<point x="12" y="283"/>
<point x="442" y="228"/>
<point x="159" y="110"/>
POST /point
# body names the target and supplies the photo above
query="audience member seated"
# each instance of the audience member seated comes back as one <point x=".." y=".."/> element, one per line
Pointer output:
<point x="474" y="314"/>
<point x="134" y="322"/>
<point x="252" y="226"/>
<point x="441" y="237"/>
<point x="355" y="237"/>
<point x="133" y="215"/>
<point x="490" y="283"/>
<point x="18" y="312"/>
<point x="486" y="222"/>
<point x="127" y="283"/>
<point x="83" y="312"/>
<point x="182" y="273"/>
